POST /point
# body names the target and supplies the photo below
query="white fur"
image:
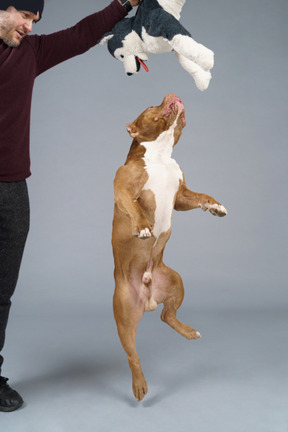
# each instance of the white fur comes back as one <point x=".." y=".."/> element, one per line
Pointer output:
<point x="190" y="50"/>
<point x="216" y="209"/>
<point x="132" y="46"/>
<point x="198" y="53"/>
<point x="173" y="7"/>
<point x="164" y="177"/>
<point x="154" y="44"/>
<point x="195" y="58"/>
<point x="145" y="233"/>
<point x="201" y="77"/>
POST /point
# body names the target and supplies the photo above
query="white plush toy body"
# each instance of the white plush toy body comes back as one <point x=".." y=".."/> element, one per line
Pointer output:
<point x="156" y="29"/>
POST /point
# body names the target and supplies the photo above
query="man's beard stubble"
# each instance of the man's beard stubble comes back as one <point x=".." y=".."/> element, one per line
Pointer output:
<point x="5" y="27"/>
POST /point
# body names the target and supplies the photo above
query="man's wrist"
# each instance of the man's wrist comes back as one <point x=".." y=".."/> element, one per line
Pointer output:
<point x="126" y="4"/>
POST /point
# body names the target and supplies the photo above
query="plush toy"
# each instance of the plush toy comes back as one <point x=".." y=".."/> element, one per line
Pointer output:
<point x="156" y="29"/>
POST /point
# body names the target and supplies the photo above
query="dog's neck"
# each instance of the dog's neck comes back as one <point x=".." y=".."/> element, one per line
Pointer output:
<point x="173" y="7"/>
<point x="162" y="147"/>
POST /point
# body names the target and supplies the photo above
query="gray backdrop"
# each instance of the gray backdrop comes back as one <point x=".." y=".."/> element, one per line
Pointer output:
<point x="62" y="348"/>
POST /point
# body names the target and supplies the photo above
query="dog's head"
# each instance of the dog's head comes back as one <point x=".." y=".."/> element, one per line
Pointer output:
<point x="157" y="119"/>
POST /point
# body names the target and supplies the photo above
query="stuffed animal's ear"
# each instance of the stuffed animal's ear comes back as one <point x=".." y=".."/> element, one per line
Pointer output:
<point x="105" y="38"/>
<point x="131" y="129"/>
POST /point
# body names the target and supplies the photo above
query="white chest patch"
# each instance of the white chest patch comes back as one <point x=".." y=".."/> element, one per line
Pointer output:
<point x="164" y="176"/>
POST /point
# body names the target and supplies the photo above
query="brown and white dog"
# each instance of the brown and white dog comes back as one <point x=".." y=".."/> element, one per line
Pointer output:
<point x="147" y="189"/>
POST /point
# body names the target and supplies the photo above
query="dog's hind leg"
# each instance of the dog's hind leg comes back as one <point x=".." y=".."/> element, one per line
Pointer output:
<point x="172" y="302"/>
<point x="127" y="317"/>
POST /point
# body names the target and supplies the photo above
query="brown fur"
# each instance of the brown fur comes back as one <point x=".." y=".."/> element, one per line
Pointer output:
<point x="142" y="280"/>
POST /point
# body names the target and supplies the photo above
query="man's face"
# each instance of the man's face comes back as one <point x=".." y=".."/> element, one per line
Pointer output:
<point x="15" y="25"/>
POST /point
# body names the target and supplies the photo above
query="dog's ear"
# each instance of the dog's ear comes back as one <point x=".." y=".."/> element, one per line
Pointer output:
<point x="131" y="129"/>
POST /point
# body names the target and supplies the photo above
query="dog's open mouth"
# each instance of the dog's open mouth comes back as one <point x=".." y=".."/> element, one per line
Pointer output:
<point x="174" y="104"/>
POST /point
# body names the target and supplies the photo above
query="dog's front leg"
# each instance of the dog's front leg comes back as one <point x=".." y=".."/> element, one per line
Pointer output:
<point x="125" y="196"/>
<point x="189" y="200"/>
<point x="129" y="205"/>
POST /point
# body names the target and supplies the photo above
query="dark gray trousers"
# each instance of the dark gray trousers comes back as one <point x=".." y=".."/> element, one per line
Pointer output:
<point x="14" y="227"/>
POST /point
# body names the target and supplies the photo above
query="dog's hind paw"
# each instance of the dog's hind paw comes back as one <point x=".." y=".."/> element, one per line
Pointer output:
<point x="140" y="389"/>
<point x="188" y="332"/>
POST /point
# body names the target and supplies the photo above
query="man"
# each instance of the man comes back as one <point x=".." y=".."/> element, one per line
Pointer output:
<point x="22" y="59"/>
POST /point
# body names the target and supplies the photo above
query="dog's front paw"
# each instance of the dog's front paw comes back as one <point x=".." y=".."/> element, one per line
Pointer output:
<point x="145" y="233"/>
<point x="142" y="229"/>
<point x="216" y="209"/>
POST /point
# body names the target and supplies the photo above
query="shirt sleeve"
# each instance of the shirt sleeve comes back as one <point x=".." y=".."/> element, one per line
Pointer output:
<point x="55" y="48"/>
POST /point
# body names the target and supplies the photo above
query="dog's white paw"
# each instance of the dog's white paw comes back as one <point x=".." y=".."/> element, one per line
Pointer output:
<point x="145" y="233"/>
<point x="216" y="209"/>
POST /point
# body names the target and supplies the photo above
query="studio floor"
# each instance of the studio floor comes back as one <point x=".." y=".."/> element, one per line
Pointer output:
<point x="73" y="374"/>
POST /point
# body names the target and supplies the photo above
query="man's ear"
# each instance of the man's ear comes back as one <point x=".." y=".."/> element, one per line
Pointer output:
<point x="131" y="129"/>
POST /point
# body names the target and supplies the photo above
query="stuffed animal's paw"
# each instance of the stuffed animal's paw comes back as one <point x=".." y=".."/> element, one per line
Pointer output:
<point x="201" y="77"/>
<point x="205" y="57"/>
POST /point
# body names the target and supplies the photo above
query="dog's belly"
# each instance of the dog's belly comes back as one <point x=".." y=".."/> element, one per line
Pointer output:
<point x="150" y="293"/>
<point x="147" y="279"/>
<point x="163" y="182"/>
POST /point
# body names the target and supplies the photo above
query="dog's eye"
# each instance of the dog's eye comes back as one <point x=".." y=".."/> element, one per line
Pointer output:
<point x="122" y="56"/>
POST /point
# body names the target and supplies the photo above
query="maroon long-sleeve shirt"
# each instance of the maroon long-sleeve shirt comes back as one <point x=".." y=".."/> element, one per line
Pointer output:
<point x="18" y="69"/>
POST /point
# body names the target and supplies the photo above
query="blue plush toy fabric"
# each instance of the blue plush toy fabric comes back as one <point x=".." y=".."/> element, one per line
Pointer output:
<point x="156" y="29"/>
